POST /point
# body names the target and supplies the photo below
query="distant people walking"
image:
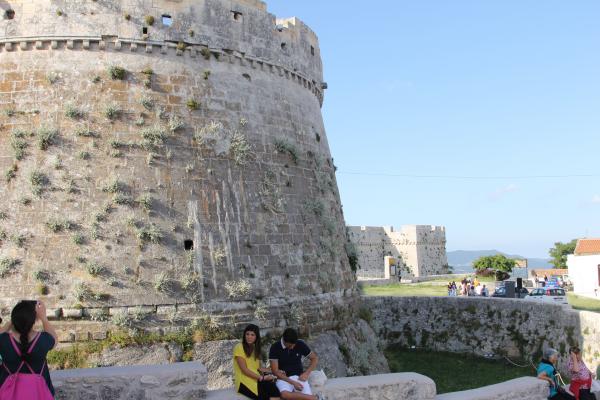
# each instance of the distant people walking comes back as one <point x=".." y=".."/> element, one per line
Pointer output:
<point x="478" y="289"/>
<point x="546" y="371"/>
<point x="581" y="376"/>
<point x="451" y="288"/>
<point x="24" y="372"/>
<point x="484" y="291"/>
<point x="250" y="379"/>
<point x="463" y="290"/>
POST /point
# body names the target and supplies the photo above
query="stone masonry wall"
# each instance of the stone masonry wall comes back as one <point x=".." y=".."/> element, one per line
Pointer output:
<point x="177" y="172"/>
<point x="511" y="327"/>
<point x="372" y="245"/>
<point x="430" y="243"/>
<point x="420" y="249"/>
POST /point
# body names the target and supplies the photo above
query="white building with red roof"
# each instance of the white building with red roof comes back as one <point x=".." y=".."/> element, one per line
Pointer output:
<point x="584" y="267"/>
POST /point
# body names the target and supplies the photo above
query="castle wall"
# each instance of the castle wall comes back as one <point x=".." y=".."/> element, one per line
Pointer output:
<point x="420" y="249"/>
<point x="209" y="23"/>
<point x="430" y="243"/>
<point x="372" y="245"/>
<point x="515" y="328"/>
<point x="221" y="151"/>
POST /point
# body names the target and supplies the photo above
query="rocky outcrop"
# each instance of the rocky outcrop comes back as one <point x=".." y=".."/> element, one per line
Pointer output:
<point x="352" y="351"/>
<point x="217" y="357"/>
<point x="363" y="352"/>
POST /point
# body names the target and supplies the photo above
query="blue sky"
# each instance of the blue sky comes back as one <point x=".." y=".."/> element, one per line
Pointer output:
<point x="502" y="91"/>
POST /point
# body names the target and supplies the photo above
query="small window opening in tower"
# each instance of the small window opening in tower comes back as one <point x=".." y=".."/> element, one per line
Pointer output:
<point x="9" y="14"/>
<point x="236" y="15"/>
<point x="312" y="50"/>
<point x="283" y="45"/>
<point x="145" y="30"/>
<point x="167" y="20"/>
<point x="188" y="245"/>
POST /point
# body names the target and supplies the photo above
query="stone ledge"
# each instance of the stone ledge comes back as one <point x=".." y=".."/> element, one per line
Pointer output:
<point x="529" y="388"/>
<point x="225" y="394"/>
<point x="181" y="381"/>
<point x="405" y="386"/>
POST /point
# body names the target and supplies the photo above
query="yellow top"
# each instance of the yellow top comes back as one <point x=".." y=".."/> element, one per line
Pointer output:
<point x="253" y="365"/>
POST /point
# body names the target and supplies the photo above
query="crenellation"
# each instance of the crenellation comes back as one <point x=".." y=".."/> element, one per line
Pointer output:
<point x="205" y="22"/>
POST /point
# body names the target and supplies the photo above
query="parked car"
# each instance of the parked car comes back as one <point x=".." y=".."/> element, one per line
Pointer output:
<point x="550" y="295"/>
<point x="519" y="293"/>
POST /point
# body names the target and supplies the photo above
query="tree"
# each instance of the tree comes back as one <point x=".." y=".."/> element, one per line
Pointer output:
<point x="560" y="251"/>
<point x="499" y="264"/>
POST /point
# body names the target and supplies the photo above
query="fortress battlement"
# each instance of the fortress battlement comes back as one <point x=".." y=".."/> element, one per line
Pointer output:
<point x="241" y="27"/>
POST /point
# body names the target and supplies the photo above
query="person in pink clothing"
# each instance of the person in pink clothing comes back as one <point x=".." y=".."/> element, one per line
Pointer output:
<point x="20" y="343"/>
<point x="581" y="376"/>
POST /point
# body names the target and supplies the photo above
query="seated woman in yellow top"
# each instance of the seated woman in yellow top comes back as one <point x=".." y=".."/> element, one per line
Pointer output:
<point x="250" y="379"/>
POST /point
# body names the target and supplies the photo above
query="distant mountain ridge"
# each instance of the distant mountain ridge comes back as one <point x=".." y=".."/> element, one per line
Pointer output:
<point x="462" y="260"/>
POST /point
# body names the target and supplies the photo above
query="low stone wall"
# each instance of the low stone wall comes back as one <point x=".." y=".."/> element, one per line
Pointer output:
<point x="181" y="381"/>
<point x="405" y="386"/>
<point x="486" y="326"/>
<point x="448" y="277"/>
<point x="353" y="350"/>
<point x="521" y="388"/>
<point x="186" y="381"/>
<point x="362" y="282"/>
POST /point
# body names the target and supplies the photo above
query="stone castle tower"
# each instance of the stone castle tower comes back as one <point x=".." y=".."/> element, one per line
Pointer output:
<point x="418" y="250"/>
<point x="166" y="157"/>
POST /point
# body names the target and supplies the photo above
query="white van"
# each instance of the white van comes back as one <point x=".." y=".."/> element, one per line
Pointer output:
<point x="550" y="295"/>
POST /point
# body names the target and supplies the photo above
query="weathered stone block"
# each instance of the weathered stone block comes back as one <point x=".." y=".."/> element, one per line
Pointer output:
<point x="72" y="312"/>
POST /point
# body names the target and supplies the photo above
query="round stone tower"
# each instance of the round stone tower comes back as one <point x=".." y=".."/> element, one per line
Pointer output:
<point x="166" y="158"/>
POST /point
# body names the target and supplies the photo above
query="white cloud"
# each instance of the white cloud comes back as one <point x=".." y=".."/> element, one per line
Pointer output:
<point x="503" y="191"/>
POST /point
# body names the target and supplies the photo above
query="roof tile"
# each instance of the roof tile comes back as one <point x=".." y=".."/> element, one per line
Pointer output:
<point x="587" y="246"/>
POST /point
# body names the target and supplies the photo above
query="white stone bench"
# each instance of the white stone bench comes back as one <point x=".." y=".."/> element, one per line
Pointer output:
<point x="526" y="388"/>
<point x="401" y="386"/>
<point x="225" y="394"/>
<point x="179" y="381"/>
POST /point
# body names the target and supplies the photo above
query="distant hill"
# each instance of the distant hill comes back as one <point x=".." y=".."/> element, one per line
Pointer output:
<point x="462" y="260"/>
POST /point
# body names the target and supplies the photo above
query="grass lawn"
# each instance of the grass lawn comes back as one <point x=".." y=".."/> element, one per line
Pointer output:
<point x="453" y="372"/>
<point x="406" y="289"/>
<point x="583" y="303"/>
